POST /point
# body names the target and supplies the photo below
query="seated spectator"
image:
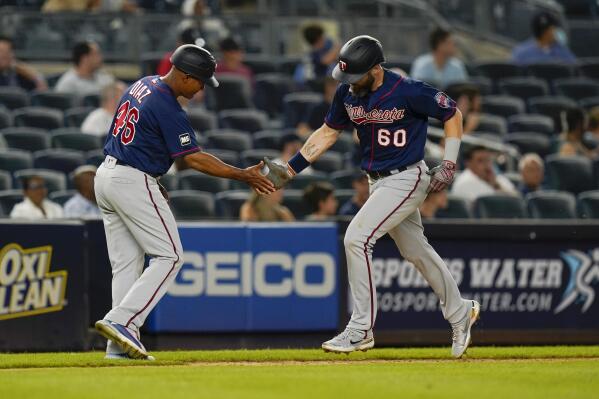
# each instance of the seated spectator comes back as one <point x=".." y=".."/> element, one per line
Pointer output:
<point x="315" y="116"/>
<point x="99" y="120"/>
<point x="432" y="203"/>
<point x="440" y="67"/>
<point x="232" y="60"/>
<point x="83" y="203"/>
<point x="35" y="205"/>
<point x="70" y="5"/>
<point x="265" y="208"/>
<point x="320" y="198"/>
<point x="212" y="28"/>
<point x="361" y="193"/>
<point x="468" y="100"/>
<point x="548" y="43"/>
<point x="289" y="145"/>
<point x="85" y="77"/>
<point x="14" y="72"/>
<point x="532" y="170"/>
<point x="321" y="57"/>
<point x="188" y="35"/>
<point x="479" y="178"/>
<point x="572" y="143"/>
<point x="591" y="137"/>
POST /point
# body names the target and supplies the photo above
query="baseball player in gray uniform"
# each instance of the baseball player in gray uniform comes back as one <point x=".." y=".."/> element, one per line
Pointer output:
<point x="390" y="114"/>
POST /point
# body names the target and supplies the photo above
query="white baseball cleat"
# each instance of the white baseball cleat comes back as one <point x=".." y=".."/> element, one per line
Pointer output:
<point x="461" y="335"/>
<point x="350" y="340"/>
<point x="124" y="337"/>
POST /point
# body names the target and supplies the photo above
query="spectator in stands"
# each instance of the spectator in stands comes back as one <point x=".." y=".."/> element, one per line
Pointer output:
<point x="289" y="145"/>
<point x="265" y="208"/>
<point x="361" y="193"/>
<point x="85" y="77"/>
<point x="468" y="100"/>
<point x="14" y="72"/>
<point x="440" y="67"/>
<point x="99" y="120"/>
<point x="212" y="28"/>
<point x="592" y="133"/>
<point x="432" y="203"/>
<point x="572" y="143"/>
<point x="322" y="55"/>
<point x="320" y="198"/>
<point x="479" y="178"/>
<point x="315" y="116"/>
<point x="232" y="60"/>
<point x="83" y="203"/>
<point x="547" y="45"/>
<point x="532" y="170"/>
<point x="70" y="5"/>
<point x="35" y="205"/>
<point x="188" y="35"/>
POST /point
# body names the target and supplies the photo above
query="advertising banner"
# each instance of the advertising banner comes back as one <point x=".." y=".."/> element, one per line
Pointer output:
<point x="253" y="277"/>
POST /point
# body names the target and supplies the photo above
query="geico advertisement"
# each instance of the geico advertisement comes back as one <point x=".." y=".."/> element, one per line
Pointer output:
<point x="27" y="286"/>
<point x="253" y="278"/>
<point x="512" y="281"/>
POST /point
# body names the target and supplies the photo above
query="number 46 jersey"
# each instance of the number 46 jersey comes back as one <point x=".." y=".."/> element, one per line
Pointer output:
<point x="150" y="129"/>
<point x="392" y="121"/>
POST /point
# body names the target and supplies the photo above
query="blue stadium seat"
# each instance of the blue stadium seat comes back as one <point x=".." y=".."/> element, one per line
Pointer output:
<point x="5" y="180"/>
<point x="26" y="138"/>
<point x="499" y="207"/>
<point x="229" y="202"/>
<point x="76" y="141"/>
<point x="202" y="120"/>
<point x="588" y="204"/>
<point x="12" y="160"/>
<point x="8" y="199"/>
<point x="58" y="159"/>
<point x="229" y="140"/>
<point x="524" y="87"/>
<point x="232" y="93"/>
<point x="5" y="117"/>
<point x="551" y="71"/>
<point x="499" y="70"/>
<point x="530" y="142"/>
<point x="193" y="180"/>
<point x="296" y="106"/>
<point x="13" y="97"/>
<point x="576" y="88"/>
<point x="248" y="120"/>
<point x="269" y="91"/>
<point x="531" y="123"/>
<point x="52" y="99"/>
<point x="40" y="117"/>
<point x="303" y="180"/>
<point x="551" y="205"/>
<point x="192" y="204"/>
<point x="74" y="117"/>
<point x="572" y="174"/>
<point x="457" y="208"/>
<point x="504" y="106"/>
<point x="252" y="157"/>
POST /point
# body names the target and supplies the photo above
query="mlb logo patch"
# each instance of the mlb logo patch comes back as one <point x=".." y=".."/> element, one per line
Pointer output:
<point x="185" y="139"/>
<point x="442" y="99"/>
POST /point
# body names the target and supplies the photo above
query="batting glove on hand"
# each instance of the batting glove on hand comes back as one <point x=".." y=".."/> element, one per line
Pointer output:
<point x="441" y="176"/>
<point x="277" y="174"/>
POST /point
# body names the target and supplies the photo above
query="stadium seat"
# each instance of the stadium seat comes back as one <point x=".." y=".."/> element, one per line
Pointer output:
<point x="550" y="71"/>
<point x="344" y="144"/>
<point x="572" y="174"/>
<point x="41" y="117"/>
<point x="288" y="65"/>
<point x="149" y="62"/>
<point x="590" y="68"/>
<point x="5" y="118"/>
<point x="404" y="63"/>
<point x="77" y="141"/>
<point x="269" y="91"/>
<point x="95" y="157"/>
<point x="229" y="140"/>
<point x="229" y="202"/>
<point x="551" y="205"/>
<point x="230" y="157"/>
<point x="252" y="157"/>
<point x="588" y="204"/>
<point x="26" y="138"/>
<point x="74" y="117"/>
<point x="343" y="179"/>
<point x="492" y="124"/>
<point x="329" y="162"/>
<point x="498" y="70"/>
<point x="192" y="180"/>
<point x="91" y="100"/>
<point x="5" y="180"/>
<point x="247" y="120"/>
<point x="530" y="142"/>
<point x="457" y="208"/>
<point x="55" y="181"/>
<point x="260" y="64"/>
<point x="483" y="84"/>
<point x="61" y="197"/>
<point x="58" y="159"/>
<point x="531" y="123"/>
<point x="551" y="106"/>
<point x="524" y="87"/>
<point x="303" y="180"/>
<point x="590" y="102"/>
<point x="12" y="160"/>
<point x="576" y="88"/>
<point x="8" y="199"/>
<point x="170" y="181"/>
<point x="294" y="200"/>
<point x="267" y="139"/>
<point x="296" y="106"/>
<point x="191" y="204"/>
<point x="201" y="120"/>
<point x="499" y="207"/>
<point x="13" y="97"/>
<point x="505" y="106"/>
<point x="52" y="99"/>
<point x="232" y="93"/>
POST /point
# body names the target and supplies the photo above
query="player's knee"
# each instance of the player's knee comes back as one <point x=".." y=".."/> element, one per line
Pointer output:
<point x="353" y="238"/>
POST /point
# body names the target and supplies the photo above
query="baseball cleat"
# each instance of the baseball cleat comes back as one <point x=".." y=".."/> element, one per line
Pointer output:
<point x="350" y="340"/>
<point x="124" y="337"/>
<point x="461" y="335"/>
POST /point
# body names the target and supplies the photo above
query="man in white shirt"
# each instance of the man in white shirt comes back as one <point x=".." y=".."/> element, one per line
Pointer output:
<point x="99" y="120"/>
<point x="440" y="67"/>
<point x="35" y="205"/>
<point x="83" y="204"/>
<point x="479" y="177"/>
<point x="85" y="77"/>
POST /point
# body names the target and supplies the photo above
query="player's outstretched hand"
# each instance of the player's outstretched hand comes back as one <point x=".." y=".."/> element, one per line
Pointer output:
<point x="257" y="180"/>
<point x="276" y="173"/>
<point x="441" y="176"/>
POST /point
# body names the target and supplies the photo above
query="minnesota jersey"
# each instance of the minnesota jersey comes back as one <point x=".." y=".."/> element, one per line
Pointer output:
<point x="150" y="129"/>
<point x="392" y="121"/>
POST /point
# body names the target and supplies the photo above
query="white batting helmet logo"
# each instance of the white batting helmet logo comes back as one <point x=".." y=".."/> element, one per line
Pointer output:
<point x="342" y="65"/>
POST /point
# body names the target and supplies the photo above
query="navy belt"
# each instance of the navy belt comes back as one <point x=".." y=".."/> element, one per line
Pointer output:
<point x="119" y="162"/>
<point x="379" y="174"/>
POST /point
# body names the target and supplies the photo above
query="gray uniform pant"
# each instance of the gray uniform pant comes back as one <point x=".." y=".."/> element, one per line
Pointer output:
<point x="393" y="208"/>
<point x="137" y="221"/>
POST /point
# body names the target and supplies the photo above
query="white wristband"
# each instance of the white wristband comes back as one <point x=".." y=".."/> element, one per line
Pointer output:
<point x="452" y="149"/>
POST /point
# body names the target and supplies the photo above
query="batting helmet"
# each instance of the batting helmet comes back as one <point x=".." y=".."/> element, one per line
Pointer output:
<point x="357" y="57"/>
<point x="196" y="62"/>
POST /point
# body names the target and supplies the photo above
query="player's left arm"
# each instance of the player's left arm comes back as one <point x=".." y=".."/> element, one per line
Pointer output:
<point x="442" y="175"/>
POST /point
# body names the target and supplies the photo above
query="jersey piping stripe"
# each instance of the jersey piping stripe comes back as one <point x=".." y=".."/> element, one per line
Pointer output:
<point x="372" y="234"/>
<point x="185" y="152"/>
<point x="174" y="249"/>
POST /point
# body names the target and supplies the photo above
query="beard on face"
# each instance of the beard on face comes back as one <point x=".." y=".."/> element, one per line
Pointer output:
<point x="362" y="89"/>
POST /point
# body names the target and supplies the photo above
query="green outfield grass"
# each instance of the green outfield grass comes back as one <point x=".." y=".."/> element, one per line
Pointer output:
<point x="487" y="372"/>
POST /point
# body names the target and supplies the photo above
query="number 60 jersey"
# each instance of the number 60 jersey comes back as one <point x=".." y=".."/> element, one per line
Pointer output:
<point x="150" y="129"/>
<point x="391" y="121"/>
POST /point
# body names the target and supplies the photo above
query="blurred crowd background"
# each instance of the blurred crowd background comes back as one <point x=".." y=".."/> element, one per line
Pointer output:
<point x="525" y="75"/>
